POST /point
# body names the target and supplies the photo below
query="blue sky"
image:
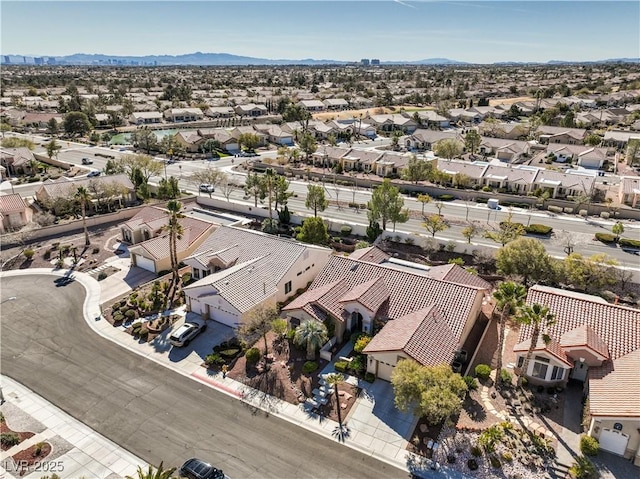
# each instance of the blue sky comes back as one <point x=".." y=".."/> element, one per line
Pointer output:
<point x="467" y="30"/>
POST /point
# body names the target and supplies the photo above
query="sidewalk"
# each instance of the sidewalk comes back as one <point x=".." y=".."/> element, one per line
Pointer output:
<point x="78" y="451"/>
<point x="374" y="426"/>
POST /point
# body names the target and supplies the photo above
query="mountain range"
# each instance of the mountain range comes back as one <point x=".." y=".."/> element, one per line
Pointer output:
<point x="227" y="59"/>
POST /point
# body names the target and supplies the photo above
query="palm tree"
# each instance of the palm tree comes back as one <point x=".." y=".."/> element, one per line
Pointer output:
<point x="175" y="233"/>
<point x="312" y="333"/>
<point x="269" y="183"/>
<point x="152" y="473"/>
<point x="334" y="379"/>
<point x="539" y="317"/>
<point x="84" y="197"/>
<point x="509" y="298"/>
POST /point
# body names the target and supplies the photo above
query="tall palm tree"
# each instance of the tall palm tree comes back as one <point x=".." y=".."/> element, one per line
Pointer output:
<point x="509" y="298"/>
<point x="539" y="317"/>
<point x="152" y="473"/>
<point x="175" y="233"/>
<point x="84" y="197"/>
<point x="269" y="186"/>
<point x="334" y="379"/>
<point x="313" y="334"/>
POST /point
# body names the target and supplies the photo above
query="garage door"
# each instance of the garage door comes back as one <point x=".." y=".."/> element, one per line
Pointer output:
<point x="145" y="263"/>
<point x="384" y="371"/>
<point x="613" y="441"/>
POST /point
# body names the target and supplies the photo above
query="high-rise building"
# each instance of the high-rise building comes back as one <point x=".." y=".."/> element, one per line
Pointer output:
<point x="38" y="60"/>
<point x="364" y="62"/>
<point x="375" y="62"/>
<point x="7" y="59"/>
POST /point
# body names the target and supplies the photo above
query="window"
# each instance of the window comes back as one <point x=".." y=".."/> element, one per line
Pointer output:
<point x="287" y="287"/>
<point x="196" y="273"/>
<point x="539" y="370"/>
<point x="542" y="359"/>
<point x="520" y="361"/>
<point x="557" y="373"/>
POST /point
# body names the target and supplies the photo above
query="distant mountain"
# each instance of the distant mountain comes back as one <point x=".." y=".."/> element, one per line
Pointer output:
<point x="228" y="59"/>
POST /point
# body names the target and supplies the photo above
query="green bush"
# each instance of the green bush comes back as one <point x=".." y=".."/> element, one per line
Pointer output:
<point x="471" y="382"/>
<point x="28" y="253"/>
<point x="341" y="366"/>
<point x="345" y="230"/>
<point x="253" y="355"/>
<point x="589" y="446"/>
<point x="583" y="468"/>
<point x="505" y="376"/>
<point x="446" y="197"/>
<point x="483" y="371"/>
<point x="606" y="238"/>
<point x="229" y="353"/>
<point x="369" y="377"/>
<point x="355" y="336"/>
<point x="8" y="439"/>
<point x="309" y="366"/>
<point x="143" y="332"/>
<point x="495" y="462"/>
<point x="476" y="451"/>
<point x="131" y="314"/>
<point x="47" y="255"/>
<point x="118" y="317"/>
<point x="629" y="243"/>
<point x="361" y="343"/>
<point x="537" y="229"/>
<point x="102" y="275"/>
<point x="291" y="333"/>
<point x="357" y="364"/>
<point x="213" y="359"/>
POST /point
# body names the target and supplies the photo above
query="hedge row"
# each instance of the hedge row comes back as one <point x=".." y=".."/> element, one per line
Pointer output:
<point x="538" y="229"/>
<point x="629" y="243"/>
<point x="606" y="238"/>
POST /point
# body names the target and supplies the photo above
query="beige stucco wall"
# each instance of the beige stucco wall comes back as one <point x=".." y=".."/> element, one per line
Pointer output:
<point x="630" y="426"/>
<point x="315" y="260"/>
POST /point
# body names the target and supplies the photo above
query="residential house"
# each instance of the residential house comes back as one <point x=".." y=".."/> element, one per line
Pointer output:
<point x="239" y="130"/>
<point x="392" y="122"/>
<point x="336" y="104"/>
<point x="415" y="312"/>
<point x="111" y="188"/>
<point x="18" y="160"/>
<point x="467" y="116"/>
<point x="145" y="117"/>
<point x="238" y="269"/>
<point x="149" y="239"/>
<point x="508" y="151"/>
<point x="556" y="134"/>
<point x="597" y="343"/>
<point x="191" y="141"/>
<point x="312" y="105"/>
<point x="619" y="139"/>
<point x="41" y="120"/>
<point x="517" y="179"/>
<point x="507" y="131"/>
<point x="15" y="212"/>
<point x="430" y="118"/>
<point x="629" y="191"/>
<point x="251" y="109"/>
<point x="423" y="139"/>
<point x="473" y="170"/>
<point x="226" y="138"/>
<point x="562" y="185"/>
<point x="329" y="155"/>
<point x="220" y="112"/>
<point x="275" y="134"/>
<point x="360" y="160"/>
<point x="391" y="164"/>
<point x="177" y="115"/>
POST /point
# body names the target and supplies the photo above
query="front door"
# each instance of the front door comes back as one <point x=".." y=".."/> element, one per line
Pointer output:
<point x="579" y="371"/>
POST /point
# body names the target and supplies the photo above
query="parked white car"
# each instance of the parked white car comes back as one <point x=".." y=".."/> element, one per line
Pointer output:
<point x="185" y="333"/>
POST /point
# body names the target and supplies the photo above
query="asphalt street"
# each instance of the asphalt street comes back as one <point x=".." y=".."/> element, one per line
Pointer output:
<point x="153" y="412"/>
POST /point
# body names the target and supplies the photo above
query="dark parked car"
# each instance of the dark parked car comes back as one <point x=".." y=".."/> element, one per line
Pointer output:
<point x="198" y="469"/>
<point x="87" y="161"/>
<point x="94" y="173"/>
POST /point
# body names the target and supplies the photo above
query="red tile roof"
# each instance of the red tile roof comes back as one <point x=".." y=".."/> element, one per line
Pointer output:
<point x="372" y="254"/>
<point x="423" y="335"/>
<point x="370" y="294"/>
<point x="614" y="387"/>
<point x="552" y="347"/>
<point x="457" y="274"/>
<point x="584" y="335"/>
<point x="13" y="203"/>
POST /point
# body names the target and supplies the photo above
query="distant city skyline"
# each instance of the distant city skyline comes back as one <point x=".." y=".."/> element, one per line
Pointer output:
<point x="403" y="30"/>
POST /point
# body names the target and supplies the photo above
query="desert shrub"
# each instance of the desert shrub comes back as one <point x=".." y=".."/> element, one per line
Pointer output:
<point x="369" y="377"/>
<point x="28" y="253"/>
<point x="568" y="210"/>
<point x="538" y="229"/>
<point x="362" y="244"/>
<point x="524" y="382"/>
<point x="582" y="213"/>
<point x="345" y="230"/>
<point x="495" y="461"/>
<point x="589" y="446"/>
<point x="554" y="209"/>
<point x="471" y="382"/>
<point x="583" y="468"/>
<point x="143" y="332"/>
<point x="361" y="343"/>
<point x="476" y="451"/>
<point x="95" y="250"/>
<point x="186" y="278"/>
<point x="355" y="336"/>
<point x="309" y="366"/>
<point x="38" y="449"/>
<point x="505" y="376"/>
<point x="8" y="439"/>
<point x="229" y="353"/>
<point x="213" y="359"/>
<point x="606" y="238"/>
<point x="459" y="261"/>
<point x="629" y="243"/>
<point x="131" y="314"/>
<point x="357" y="364"/>
<point x="507" y="457"/>
<point x="483" y="371"/>
<point x="605" y="215"/>
<point x="47" y="255"/>
<point x="118" y="317"/>
<point x="253" y="355"/>
<point x="291" y="333"/>
<point x="102" y="275"/>
<point x="472" y="464"/>
<point x="341" y="366"/>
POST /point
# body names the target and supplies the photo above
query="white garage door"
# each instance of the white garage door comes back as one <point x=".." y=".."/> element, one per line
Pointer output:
<point x="145" y="263"/>
<point x="613" y="441"/>
<point x="384" y="371"/>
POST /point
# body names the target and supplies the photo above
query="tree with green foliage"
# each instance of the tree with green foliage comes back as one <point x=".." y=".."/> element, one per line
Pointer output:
<point x="469" y="231"/>
<point x="472" y="141"/>
<point x="268" y="186"/>
<point x="316" y="199"/>
<point x="249" y="141"/>
<point x="540" y="318"/>
<point x="152" y="473"/>
<point x="435" y="392"/>
<point x="593" y="140"/>
<point x="113" y="167"/>
<point x="15" y="142"/>
<point x="509" y="298"/>
<point x="617" y="229"/>
<point x="313" y="231"/>
<point x="175" y="230"/>
<point x="416" y="170"/>
<point x="448" y="148"/>
<point x="84" y="198"/>
<point x="312" y="334"/>
<point x="507" y="231"/>
<point x="526" y="258"/>
<point x="387" y="204"/>
<point x="258" y="322"/>
<point x="373" y="229"/>
<point x="168" y="189"/>
<point x="281" y="192"/>
<point x="424" y="199"/>
<point x="633" y="151"/>
<point x="434" y="224"/>
<point x="308" y="145"/>
<point x="590" y="274"/>
<point x="53" y="148"/>
<point x="253" y="187"/>
<point x="77" y="123"/>
<point x="144" y="164"/>
<point x="145" y="139"/>
<point x="52" y="126"/>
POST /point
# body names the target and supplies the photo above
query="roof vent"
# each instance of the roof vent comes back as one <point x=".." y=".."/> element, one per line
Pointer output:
<point x="354" y="267"/>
